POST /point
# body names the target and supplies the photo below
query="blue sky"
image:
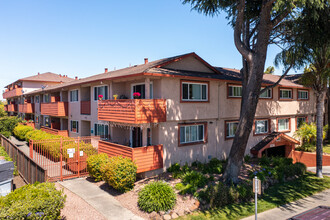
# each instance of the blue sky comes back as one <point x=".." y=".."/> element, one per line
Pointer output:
<point x="81" y="38"/>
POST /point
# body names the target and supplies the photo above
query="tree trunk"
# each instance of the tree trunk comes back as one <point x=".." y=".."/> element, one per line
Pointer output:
<point x="319" y="132"/>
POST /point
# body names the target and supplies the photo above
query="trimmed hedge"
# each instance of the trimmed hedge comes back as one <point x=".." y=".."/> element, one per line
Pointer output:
<point x="120" y="173"/>
<point x="157" y="196"/>
<point x="94" y="164"/>
<point x="21" y="130"/>
<point x="36" y="201"/>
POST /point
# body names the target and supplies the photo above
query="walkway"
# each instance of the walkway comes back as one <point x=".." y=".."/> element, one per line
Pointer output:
<point x="325" y="170"/>
<point x="102" y="201"/>
<point x="289" y="210"/>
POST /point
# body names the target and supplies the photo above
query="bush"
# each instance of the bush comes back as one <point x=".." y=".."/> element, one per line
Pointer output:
<point x="7" y="125"/>
<point x="300" y="169"/>
<point x="36" y="201"/>
<point x="247" y="158"/>
<point x="265" y="161"/>
<point x="7" y="158"/>
<point x="156" y="196"/>
<point x="215" y="166"/>
<point x="21" y="130"/>
<point x="94" y="164"/>
<point x="120" y="173"/>
<point x="194" y="178"/>
<point x="174" y="168"/>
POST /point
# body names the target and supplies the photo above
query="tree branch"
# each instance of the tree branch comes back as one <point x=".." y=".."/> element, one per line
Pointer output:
<point x="241" y="47"/>
<point x="278" y="81"/>
<point x="281" y="16"/>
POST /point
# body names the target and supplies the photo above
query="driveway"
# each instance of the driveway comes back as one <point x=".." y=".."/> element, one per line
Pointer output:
<point x="325" y="170"/>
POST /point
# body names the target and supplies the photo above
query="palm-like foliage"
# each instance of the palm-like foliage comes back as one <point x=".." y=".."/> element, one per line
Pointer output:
<point x="307" y="135"/>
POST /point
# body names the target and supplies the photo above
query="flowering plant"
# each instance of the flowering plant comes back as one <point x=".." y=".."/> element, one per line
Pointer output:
<point x="115" y="96"/>
<point x="136" y="94"/>
<point x="100" y="97"/>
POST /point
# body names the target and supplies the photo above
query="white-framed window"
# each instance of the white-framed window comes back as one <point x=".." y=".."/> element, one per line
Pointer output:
<point x="234" y="91"/>
<point x="283" y="124"/>
<point x="47" y="121"/>
<point x="74" y="95"/>
<point x="301" y="121"/>
<point x="285" y="93"/>
<point x="101" y="90"/>
<point x="231" y="128"/>
<point x="266" y="94"/>
<point x="74" y="126"/>
<point x="192" y="133"/>
<point x="194" y="91"/>
<point x="47" y="98"/>
<point x="101" y="130"/>
<point x="37" y="99"/>
<point x="303" y="94"/>
<point x="261" y="126"/>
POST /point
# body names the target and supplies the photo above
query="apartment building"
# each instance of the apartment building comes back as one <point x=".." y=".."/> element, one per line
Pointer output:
<point x="187" y="110"/>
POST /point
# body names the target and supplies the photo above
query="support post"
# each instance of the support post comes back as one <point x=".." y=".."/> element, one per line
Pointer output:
<point x="61" y="160"/>
<point x="78" y="154"/>
<point x="31" y="149"/>
<point x="256" y="196"/>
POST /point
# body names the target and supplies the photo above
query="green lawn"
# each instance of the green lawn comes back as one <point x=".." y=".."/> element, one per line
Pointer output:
<point x="275" y="196"/>
<point x="326" y="148"/>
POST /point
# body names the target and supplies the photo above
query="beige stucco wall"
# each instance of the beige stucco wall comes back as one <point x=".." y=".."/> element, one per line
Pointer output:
<point x="190" y="64"/>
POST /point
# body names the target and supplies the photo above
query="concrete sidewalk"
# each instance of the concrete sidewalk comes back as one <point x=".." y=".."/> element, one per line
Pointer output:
<point x="289" y="210"/>
<point x="102" y="201"/>
<point x="325" y="170"/>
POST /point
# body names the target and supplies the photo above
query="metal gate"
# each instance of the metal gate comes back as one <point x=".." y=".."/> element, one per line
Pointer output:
<point x="63" y="158"/>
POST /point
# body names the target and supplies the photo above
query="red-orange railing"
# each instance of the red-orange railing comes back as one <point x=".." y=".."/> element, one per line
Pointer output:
<point x="26" y="108"/>
<point x="64" y="133"/>
<point x="12" y="107"/>
<point x="133" y="111"/>
<point x="85" y="107"/>
<point x="146" y="158"/>
<point x="54" y="109"/>
<point x="12" y="93"/>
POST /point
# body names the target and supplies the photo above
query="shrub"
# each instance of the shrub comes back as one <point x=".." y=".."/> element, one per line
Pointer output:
<point x="215" y="166"/>
<point x="174" y="168"/>
<point x="281" y="161"/>
<point x="300" y="168"/>
<point x="307" y="134"/>
<point x="156" y="196"/>
<point x="265" y="161"/>
<point x="194" y="178"/>
<point x="120" y="173"/>
<point x="94" y="164"/>
<point x="247" y="158"/>
<point x="21" y="130"/>
<point x="36" y="201"/>
<point x="7" y="158"/>
<point x="7" y="125"/>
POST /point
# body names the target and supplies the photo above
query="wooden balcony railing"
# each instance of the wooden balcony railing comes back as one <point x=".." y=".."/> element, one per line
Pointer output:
<point x="54" y="109"/>
<point x="85" y="107"/>
<point x="26" y="108"/>
<point x="146" y="158"/>
<point x="12" y="93"/>
<point x="132" y="111"/>
<point x="12" y="107"/>
<point x="64" y="133"/>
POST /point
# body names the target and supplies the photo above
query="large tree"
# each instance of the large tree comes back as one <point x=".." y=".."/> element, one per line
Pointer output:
<point x="307" y="42"/>
<point x="255" y="24"/>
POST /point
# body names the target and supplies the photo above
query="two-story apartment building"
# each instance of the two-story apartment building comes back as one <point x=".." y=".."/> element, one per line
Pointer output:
<point x="186" y="106"/>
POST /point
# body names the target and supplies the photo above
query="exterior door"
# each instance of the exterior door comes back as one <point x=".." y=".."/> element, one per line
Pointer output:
<point x="136" y="137"/>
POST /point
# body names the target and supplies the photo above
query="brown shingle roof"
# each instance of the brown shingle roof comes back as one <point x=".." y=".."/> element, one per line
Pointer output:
<point x="45" y="77"/>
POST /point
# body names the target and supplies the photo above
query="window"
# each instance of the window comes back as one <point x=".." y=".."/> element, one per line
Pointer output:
<point x="302" y="94"/>
<point x="101" y="130"/>
<point x="47" y="98"/>
<point x="74" y="126"/>
<point x="266" y="94"/>
<point x="37" y="99"/>
<point x="285" y="93"/>
<point x="261" y="126"/>
<point x="283" y="124"/>
<point x="231" y="129"/>
<point x="100" y="90"/>
<point x="192" y="133"/>
<point x="36" y="119"/>
<point x="47" y="121"/>
<point x="194" y="91"/>
<point x="148" y="136"/>
<point x="234" y="91"/>
<point x="74" y="96"/>
<point x="301" y="121"/>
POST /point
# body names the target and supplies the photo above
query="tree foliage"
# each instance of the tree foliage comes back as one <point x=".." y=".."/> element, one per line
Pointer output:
<point x="270" y="70"/>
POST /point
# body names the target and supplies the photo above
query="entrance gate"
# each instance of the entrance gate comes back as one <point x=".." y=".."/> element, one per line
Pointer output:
<point x="63" y="158"/>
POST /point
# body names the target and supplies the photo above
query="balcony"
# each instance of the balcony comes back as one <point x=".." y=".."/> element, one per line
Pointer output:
<point x="11" y="108"/>
<point x="64" y="133"/>
<point x="5" y="107"/>
<point x="26" y="108"/>
<point x="12" y="93"/>
<point x="85" y="107"/>
<point x="54" y="109"/>
<point x="146" y="158"/>
<point x="132" y="111"/>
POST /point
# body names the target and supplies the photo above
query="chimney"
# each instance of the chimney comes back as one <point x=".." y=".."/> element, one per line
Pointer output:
<point x="105" y="70"/>
<point x="38" y="73"/>
<point x="60" y="75"/>
<point x="76" y="78"/>
<point x="145" y="60"/>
